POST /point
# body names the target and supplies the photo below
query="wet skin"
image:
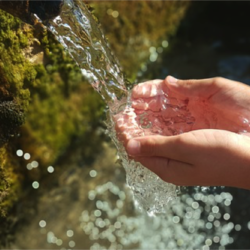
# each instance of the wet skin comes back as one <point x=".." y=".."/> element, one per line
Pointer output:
<point x="213" y="150"/>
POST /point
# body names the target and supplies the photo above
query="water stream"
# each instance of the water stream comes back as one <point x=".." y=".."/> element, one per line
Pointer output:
<point x="80" y="35"/>
<point x="78" y="32"/>
<point x="164" y="114"/>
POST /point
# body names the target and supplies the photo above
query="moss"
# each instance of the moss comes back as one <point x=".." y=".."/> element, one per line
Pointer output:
<point x="11" y="117"/>
<point x="13" y="66"/>
<point x="13" y="101"/>
<point x="10" y="181"/>
<point x="59" y="105"/>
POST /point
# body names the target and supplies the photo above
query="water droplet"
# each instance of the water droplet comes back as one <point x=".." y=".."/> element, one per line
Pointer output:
<point x="34" y="164"/>
<point x="109" y="11"/>
<point x="72" y="243"/>
<point x="205" y="248"/>
<point x="216" y="223"/>
<point x="209" y="225"/>
<point x="97" y="213"/>
<point x="59" y="242"/>
<point x="19" y="152"/>
<point x="195" y="205"/>
<point x="215" y="209"/>
<point x="164" y="44"/>
<point x="153" y="57"/>
<point x="216" y="239"/>
<point x="176" y="219"/>
<point x="226" y="216"/>
<point x="35" y="185"/>
<point x="227" y="202"/>
<point x="70" y="233"/>
<point x="92" y="195"/>
<point x="42" y="223"/>
<point x="29" y="166"/>
<point x="93" y="173"/>
<point x="50" y="169"/>
<point x="210" y="218"/>
<point x="115" y="14"/>
<point x="237" y="227"/>
<point x="26" y="156"/>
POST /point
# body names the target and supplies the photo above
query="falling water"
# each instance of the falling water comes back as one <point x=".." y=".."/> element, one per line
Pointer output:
<point x="78" y="32"/>
<point x="80" y="35"/>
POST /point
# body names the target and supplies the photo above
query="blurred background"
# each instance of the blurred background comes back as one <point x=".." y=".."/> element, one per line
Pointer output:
<point x="61" y="184"/>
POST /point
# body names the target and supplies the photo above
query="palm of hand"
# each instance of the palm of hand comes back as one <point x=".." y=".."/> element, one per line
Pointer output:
<point x="157" y="110"/>
<point x="222" y="108"/>
<point x="211" y="111"/>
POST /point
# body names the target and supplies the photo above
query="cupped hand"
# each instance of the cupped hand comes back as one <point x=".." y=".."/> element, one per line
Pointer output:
<point x="215" y="103"/>
<point x="198" y="158"/>
<point x="190" y="131"/>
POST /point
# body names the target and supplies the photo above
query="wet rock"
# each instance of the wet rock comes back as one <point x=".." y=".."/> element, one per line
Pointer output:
<point x="11" y="117"/>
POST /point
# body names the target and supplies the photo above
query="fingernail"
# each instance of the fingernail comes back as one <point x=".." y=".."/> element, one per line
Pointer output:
<point x="171" y="80"/>
<point x="133" y="147"/>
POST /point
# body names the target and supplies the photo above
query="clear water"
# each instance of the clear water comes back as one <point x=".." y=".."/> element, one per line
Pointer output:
<point x="78" y="32"/>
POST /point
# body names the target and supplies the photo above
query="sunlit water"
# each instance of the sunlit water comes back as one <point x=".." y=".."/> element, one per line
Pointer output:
<point x="78" y="32"/>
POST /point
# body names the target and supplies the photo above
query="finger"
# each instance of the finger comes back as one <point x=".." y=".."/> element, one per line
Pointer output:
<point x="204" y="88"/>
<point x="148" y="89"/>
<point x="126" y="127"/>
<point x="140" y="104"/>
<point x="176" y="172"/>
<point x="191" y="147"/>
<point x="179" y="147"/>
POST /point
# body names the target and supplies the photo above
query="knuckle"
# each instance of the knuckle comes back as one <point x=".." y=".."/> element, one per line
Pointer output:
<point x="217" y="80"/>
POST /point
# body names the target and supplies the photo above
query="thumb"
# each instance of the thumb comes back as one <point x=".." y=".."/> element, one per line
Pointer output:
<point x="194" y="88"/>
<point x="172" y="147"/>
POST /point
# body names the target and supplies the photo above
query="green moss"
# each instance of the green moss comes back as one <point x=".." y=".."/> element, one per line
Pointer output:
<point x="58" y="103"/>
<point x="13" y="65"/>
<point x="10" y="182"/>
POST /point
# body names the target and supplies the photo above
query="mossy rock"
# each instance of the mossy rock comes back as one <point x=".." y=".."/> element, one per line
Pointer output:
<point x="41" y="85"/>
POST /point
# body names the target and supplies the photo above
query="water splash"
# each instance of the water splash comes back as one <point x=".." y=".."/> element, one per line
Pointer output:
<point x="78" y="32"/>
<point x="157" y="115"/>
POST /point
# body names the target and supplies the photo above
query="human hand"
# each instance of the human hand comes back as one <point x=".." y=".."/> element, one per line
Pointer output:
<point x="198" y="158"/>
<point x="215" y="103"/>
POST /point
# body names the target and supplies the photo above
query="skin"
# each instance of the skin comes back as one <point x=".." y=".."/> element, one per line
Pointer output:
<point x="213" y="153"/>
